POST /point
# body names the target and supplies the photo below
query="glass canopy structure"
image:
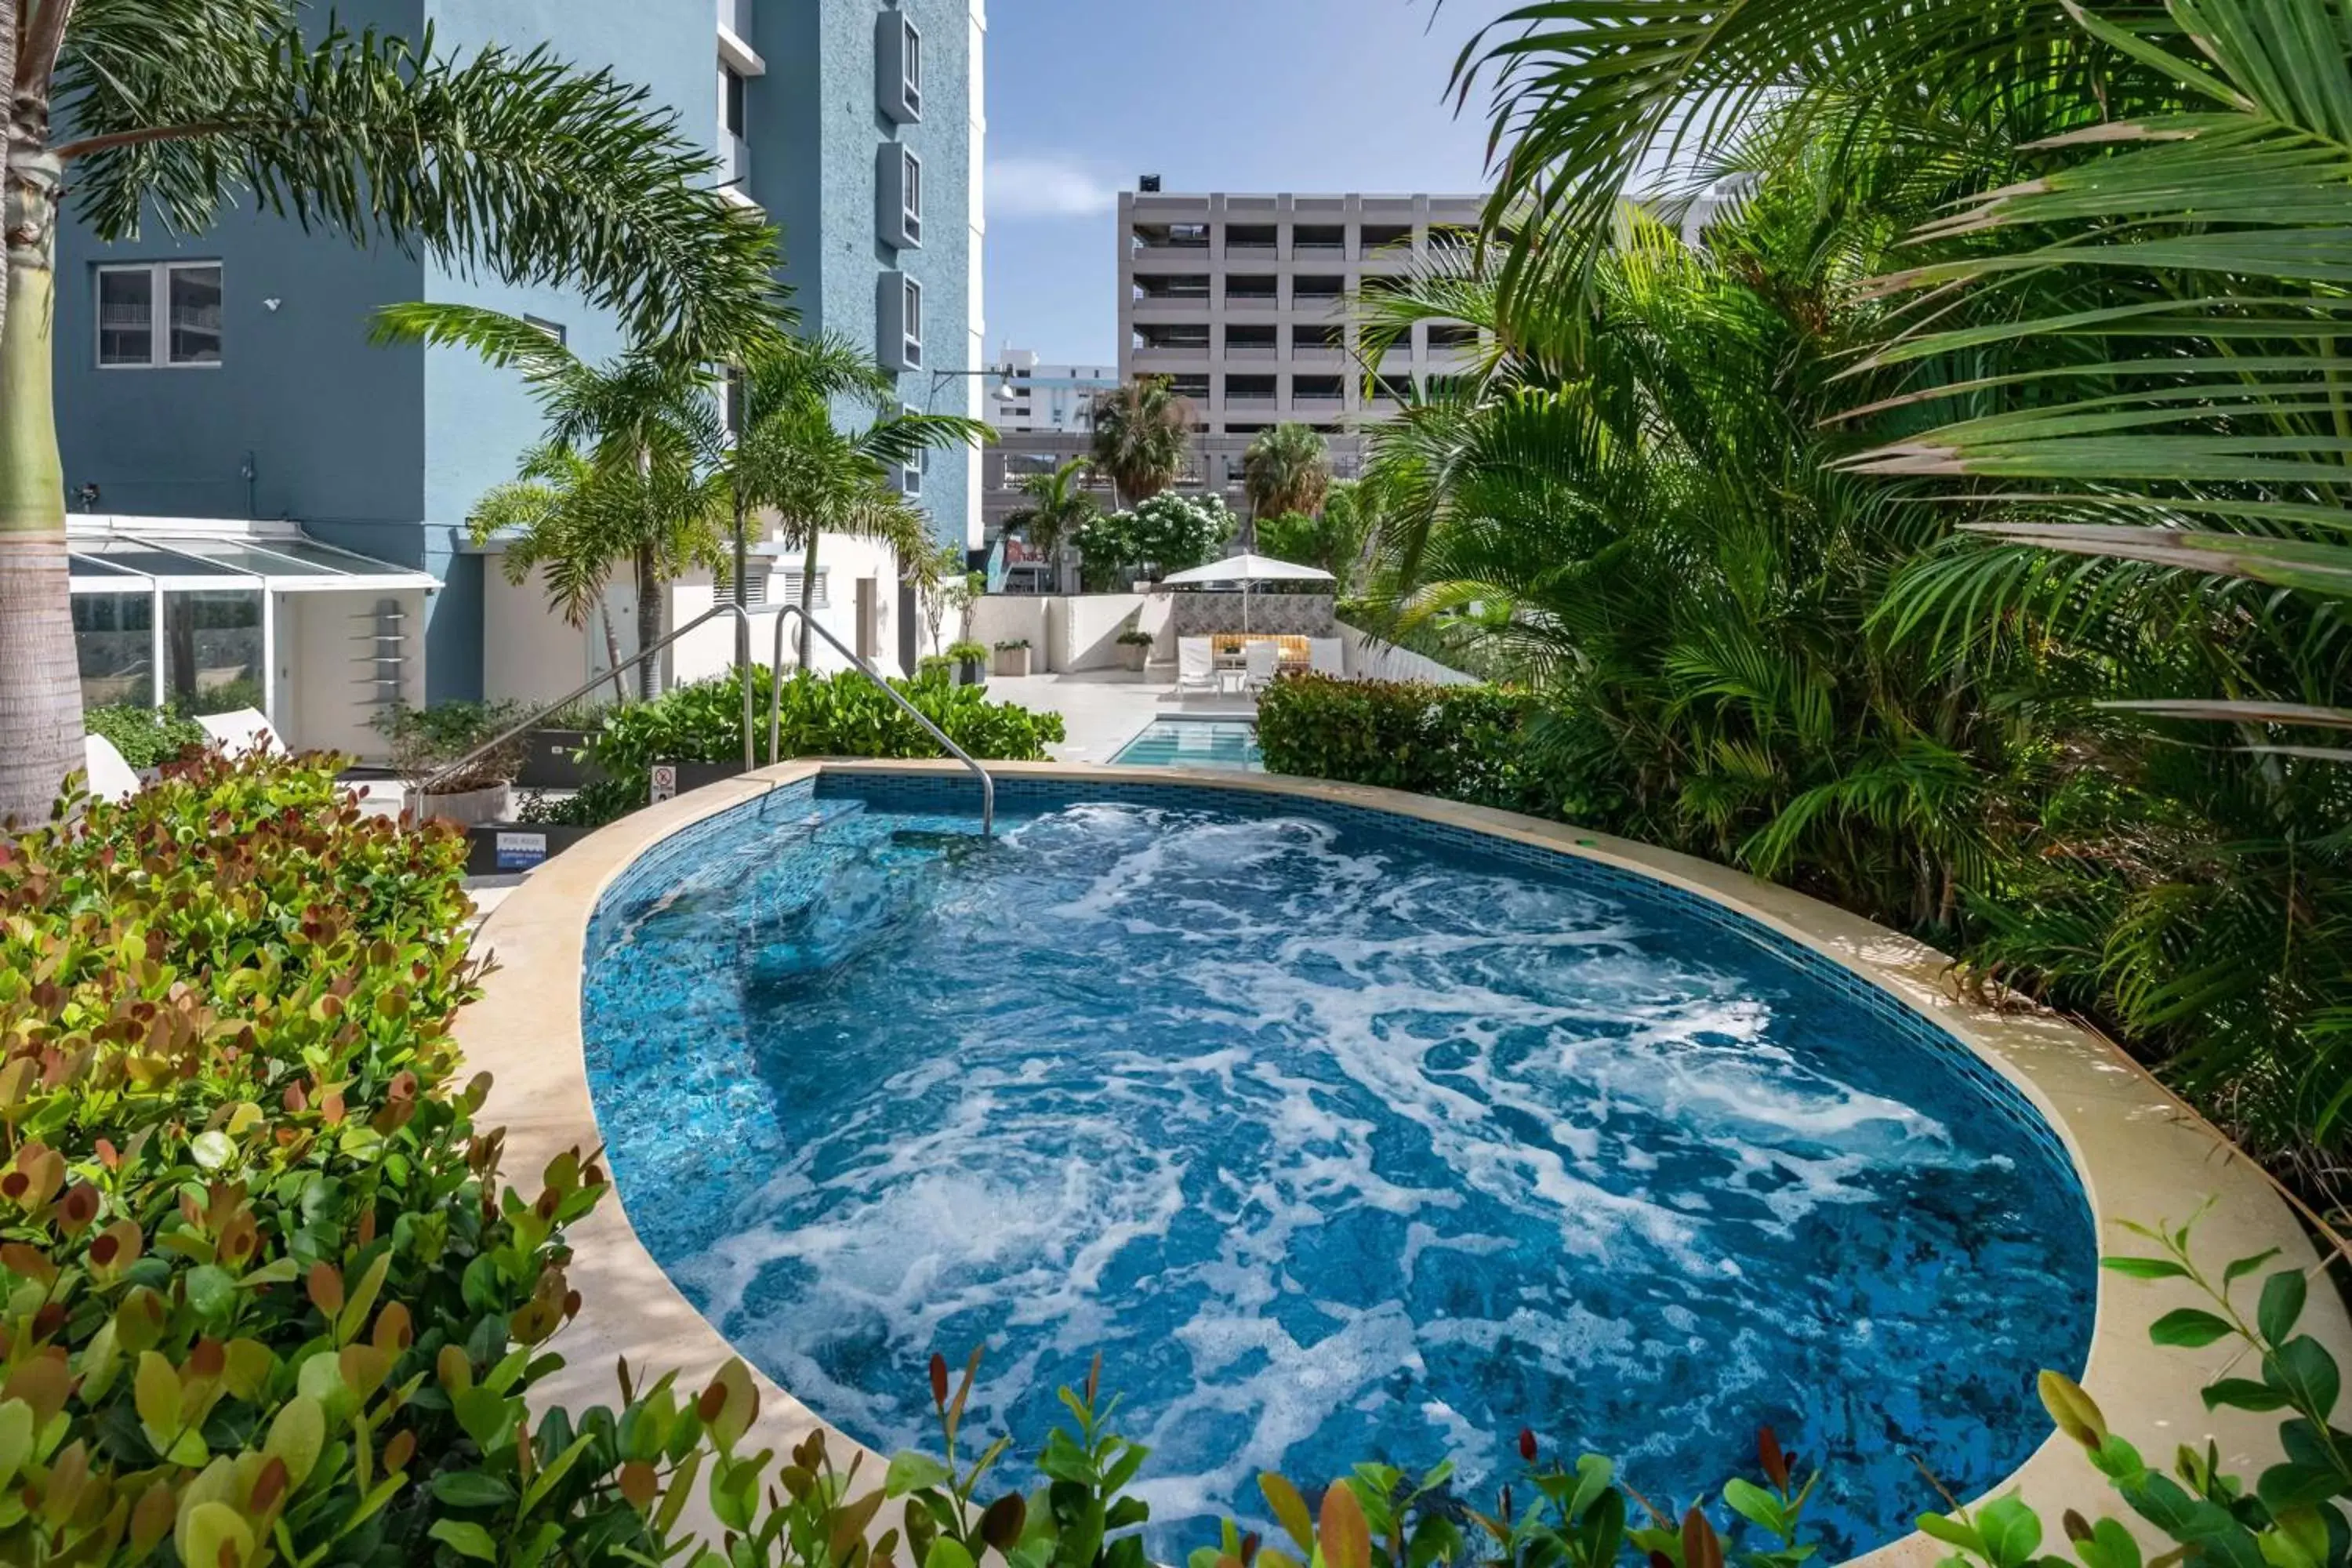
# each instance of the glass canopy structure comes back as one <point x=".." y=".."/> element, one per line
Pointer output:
<point x="189" y="614"/>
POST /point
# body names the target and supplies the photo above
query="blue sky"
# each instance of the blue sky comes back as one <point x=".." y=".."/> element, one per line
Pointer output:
<point x="1233" y="95"/>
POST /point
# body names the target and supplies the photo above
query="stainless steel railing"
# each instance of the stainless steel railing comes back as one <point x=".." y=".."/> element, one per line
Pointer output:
<point x="776" y="709"/>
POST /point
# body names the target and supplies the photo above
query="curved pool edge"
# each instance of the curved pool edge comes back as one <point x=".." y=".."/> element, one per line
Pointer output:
<point x="2140" y="1153"/>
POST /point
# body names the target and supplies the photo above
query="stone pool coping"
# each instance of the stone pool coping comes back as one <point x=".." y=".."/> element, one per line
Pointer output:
<point x="2141" y="1154"/>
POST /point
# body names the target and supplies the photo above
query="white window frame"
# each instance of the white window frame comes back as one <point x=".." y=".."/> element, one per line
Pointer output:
<point x="911" y="478"/>
<point x="556" y="330"/>
<point x="911" y="320"/>
<point x="159" y="314"/>
<point x="911" y="194"/>
<point x="910" y="64"/>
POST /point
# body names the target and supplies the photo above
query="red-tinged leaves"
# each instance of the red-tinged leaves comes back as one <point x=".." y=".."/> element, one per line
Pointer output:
<point x="938" y="1379"/>
<point x="1775" y="1463"/>
<point x="1346" y="1538"/>
<point x="1701" y="1546"/>
<point x="1528" y="1444"/>
<point x="325" y="1285"/>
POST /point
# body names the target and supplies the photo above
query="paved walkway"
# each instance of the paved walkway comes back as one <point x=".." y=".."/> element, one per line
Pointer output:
<point x="1103" y="709"/>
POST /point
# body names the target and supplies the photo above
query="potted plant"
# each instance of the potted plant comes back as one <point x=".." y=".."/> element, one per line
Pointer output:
<point x="970" y="661"/>
<point x="426" y="741"/>
<point x="1012" y="656"/>
<point x="1135" y="648"/>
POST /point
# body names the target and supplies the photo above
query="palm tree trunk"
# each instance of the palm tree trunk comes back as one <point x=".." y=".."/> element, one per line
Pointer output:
<point x="40" y="680"/>
<point x="649" y="623"/>
<point x="808" y="597"/>
<point x="611" y="652"/>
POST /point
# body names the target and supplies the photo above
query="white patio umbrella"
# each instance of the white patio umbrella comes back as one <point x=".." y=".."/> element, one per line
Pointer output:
<point x="1248" y="570"/>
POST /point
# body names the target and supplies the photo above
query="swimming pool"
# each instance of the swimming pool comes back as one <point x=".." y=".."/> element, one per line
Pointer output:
<point x="1194" y="743"/>
<point x="1341" y="1136"/>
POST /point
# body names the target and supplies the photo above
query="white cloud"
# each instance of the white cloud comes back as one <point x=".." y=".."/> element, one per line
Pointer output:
<point x="1047" y="186"/>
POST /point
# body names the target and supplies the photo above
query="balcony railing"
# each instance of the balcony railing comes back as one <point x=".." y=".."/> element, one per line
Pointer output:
<point x="1326" y="352"/>
<point x="1251" y="351"/>
<point x="1253" y="302"/>
<point x="1250" y="247"/>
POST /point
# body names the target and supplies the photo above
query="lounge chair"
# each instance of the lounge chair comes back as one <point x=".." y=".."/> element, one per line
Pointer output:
<point x="1196" y="665"/>
<point x="110" y="777"/>
<point x="1325" y="655"/>
<point x="1260" y="660"/>
<point x="244" y="730"/>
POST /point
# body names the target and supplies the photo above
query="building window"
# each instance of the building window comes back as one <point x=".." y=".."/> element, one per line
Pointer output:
<point x="899" y="310"/>
<point x="899" y="66"/>
<point x="556" y="330"/>
<point x="910" y="195"/>
<point x="914" y="322"/>
<point x="755" y="586"/>
<point x="731" y="102"/>
<point x="911" y="478"/>
<point x="185" y="330"/>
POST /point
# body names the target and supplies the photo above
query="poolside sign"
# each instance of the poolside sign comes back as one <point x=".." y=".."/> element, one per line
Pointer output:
<point x="521" y="851"/>
<point x="665" y="781"/>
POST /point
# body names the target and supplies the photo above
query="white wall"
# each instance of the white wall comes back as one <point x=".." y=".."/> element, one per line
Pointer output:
<point x="1370" y="660"/>
<point x="1082" y="633"/>
<point x="530" y="655"/>
<point x="326" y="674"/>
<point x="1001" y="617"/>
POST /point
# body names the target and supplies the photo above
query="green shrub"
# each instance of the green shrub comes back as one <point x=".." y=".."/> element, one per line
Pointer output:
<point x="426" y="739"/>
<point x="968" y="651"/>
<point x="824" y="716"/>
<point x="147" y="737"/>
<point x="1468" y="743"/>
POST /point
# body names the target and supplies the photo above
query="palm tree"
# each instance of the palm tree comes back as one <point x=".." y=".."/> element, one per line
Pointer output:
<point x="1058" y="508"/>
<point x="512" y="161"/>
<point x="1143" y="433"/>
<point x="793" y="456"/>
<point x="1286" y="469"/>
<point x="631" y="447"/>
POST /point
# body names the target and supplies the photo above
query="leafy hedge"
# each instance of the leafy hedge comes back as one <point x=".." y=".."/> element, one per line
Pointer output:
<point x="1468" y="743"/>
<point x="824" y="716"/>
<point x="147" y="737"/>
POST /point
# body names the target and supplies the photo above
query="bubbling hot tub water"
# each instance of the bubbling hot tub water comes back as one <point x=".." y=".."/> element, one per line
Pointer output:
<point x="1339" y="1143"/>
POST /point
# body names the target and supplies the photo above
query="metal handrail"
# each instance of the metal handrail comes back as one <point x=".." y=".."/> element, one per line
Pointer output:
<point x="776" y="709"/>
<point x="750" y="757"/>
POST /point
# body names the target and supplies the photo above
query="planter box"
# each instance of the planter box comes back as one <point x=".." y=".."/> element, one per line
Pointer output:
<point x="1013" y="661"/>
<point x="469" y="808"/>
<point x="550" y="761"/>
<point x="1132" y="655"/>
<point x="502" y="848"/>
<point x="971" y="672"/>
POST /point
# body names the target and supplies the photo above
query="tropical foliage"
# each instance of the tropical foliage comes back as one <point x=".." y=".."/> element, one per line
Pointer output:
<point x="510" y="162"/>
<point x="1170" y="532"/>
<point x="794" y="459"/>
<point x="1143" y="434"/>
<point x="1332" y="538"/>
<point x="1719" y="491"/>
<point x="822" y="716"/>
<point x="1055" y="512"/>
<point x="1286" y="469"/>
